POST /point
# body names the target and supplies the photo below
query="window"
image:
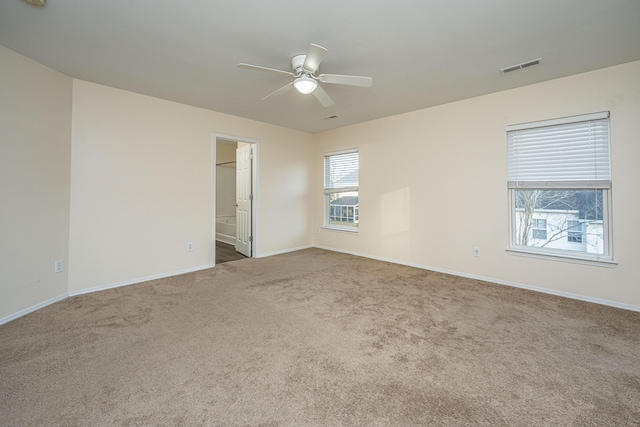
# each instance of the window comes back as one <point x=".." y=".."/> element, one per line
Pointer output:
<point x="540" y="229"/>
<point x="559" y="181"/>
<point x="575" y="231"/>
<point x="341" y="190"/>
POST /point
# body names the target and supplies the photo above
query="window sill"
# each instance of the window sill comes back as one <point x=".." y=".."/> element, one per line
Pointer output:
<point x="352" y="230"/>
<point x="610" y="263"/>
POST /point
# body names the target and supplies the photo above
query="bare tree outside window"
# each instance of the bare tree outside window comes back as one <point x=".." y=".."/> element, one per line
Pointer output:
<point x="571" y="219"/>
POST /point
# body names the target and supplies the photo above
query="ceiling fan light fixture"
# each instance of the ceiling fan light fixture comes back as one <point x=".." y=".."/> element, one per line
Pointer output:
<point x="305" y="84"/>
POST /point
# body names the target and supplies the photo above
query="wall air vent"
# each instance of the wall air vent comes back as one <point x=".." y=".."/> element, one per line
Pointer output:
<point x="520" y="66"/>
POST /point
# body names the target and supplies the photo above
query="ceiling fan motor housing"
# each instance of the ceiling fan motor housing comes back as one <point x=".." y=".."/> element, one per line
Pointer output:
<point x="296" y="64"/>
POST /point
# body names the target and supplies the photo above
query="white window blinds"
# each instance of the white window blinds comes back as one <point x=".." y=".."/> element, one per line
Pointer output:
<point x="341" y="172"/>
<point x="571" y="152"/>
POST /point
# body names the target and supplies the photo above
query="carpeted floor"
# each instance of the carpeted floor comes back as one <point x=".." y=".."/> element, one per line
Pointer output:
<point x="323" y="339"/>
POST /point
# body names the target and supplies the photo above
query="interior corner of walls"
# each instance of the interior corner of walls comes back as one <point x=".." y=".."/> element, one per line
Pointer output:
<point x="36" y="203"/>
<point x="32" y="308"/>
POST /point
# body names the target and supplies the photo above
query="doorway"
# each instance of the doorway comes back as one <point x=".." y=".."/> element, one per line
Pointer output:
<point x="235" y="198"/>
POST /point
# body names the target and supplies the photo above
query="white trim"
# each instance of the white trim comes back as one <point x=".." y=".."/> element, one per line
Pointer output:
<point x="255" y="183"/>
<point x="561" y="256"/>
<point x="235" y="138"/>
<point x="139" y="280"/>
<point x="558" y="121"/>
<point x="97" y="289"/>
<point x="341" y="228"/>
<point x="214" y="181"/>
<point x="224" y="238"/>
<point x="43" y="304"/>
<point x="492" y="280"/>
<point x="284" y="251"/>
<point x="33" y="308"/>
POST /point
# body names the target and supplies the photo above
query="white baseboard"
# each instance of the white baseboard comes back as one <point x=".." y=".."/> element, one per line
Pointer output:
<point x="139" y="280"/>
<point x="43" y="304"/>
<point x="491" y="280"/>
<point x="33" y="308"/>
<point x="284" y="251"/>
<point x="229" y="240"/>
<point x="96" y="289"/>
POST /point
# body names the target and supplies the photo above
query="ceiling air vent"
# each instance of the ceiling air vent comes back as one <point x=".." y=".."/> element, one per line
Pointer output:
<point x="38" y="3"/>
<point x="520" y="66"/>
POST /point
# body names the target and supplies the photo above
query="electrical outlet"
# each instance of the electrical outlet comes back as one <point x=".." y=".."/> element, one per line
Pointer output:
<point x="476" y="251"/>
<point x="318" y="230"/>
<point x="58" y="266"/>
<point x="190" y="247"/>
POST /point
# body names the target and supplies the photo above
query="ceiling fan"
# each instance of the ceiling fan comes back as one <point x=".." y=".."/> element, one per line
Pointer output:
<point x="305" y="77"/>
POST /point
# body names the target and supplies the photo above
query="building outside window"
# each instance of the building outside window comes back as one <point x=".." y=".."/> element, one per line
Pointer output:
<point x="559" y="181"/>
<point x="539" y="229"/>
<point x="341" y="187"/>
<point x="575" y="231"/>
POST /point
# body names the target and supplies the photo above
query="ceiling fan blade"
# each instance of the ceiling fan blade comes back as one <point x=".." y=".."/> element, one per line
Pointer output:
<point x="323" y="97"/>
<point x="259" y="68"/>
<point x="314" y="58"/>
<point x="281" y="90"/>
<point x="341" y="79"/>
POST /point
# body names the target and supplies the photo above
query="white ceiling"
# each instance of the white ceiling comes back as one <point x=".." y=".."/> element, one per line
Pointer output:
<point x="420" y="53"/>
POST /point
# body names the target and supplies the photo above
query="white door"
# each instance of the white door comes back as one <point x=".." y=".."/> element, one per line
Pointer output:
<point x="244" y="198"/>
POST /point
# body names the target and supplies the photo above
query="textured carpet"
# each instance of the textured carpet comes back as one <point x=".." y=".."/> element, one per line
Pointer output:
<point x="324" y="339"/>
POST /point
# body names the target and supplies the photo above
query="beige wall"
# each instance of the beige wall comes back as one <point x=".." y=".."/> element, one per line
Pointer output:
<point x="141" y="186"/>
<point x="433" y="184"/>
<point x="35" y="153"/>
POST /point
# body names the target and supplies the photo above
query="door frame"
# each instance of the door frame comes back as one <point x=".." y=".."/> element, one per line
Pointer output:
<point x="255" y="190"/>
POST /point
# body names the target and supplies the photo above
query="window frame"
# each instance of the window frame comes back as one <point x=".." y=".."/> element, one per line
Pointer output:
<point x="606" y="258"/>
<point x="328" y="191"/>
